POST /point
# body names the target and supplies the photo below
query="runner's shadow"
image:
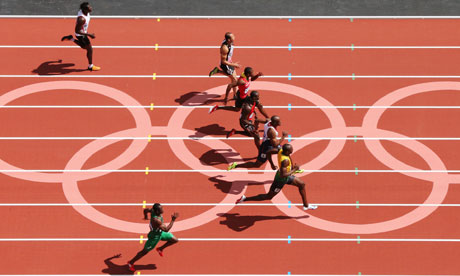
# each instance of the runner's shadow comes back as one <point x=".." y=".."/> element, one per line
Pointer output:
<point x="200" y="98"/>
<point x="116" y="269"/>
<point x="56" y="68"/>
<point x="240" y="223"/>
<point x="213" y="129"/>
<point x="234" y="187"/>
<point x="221" y="156"/>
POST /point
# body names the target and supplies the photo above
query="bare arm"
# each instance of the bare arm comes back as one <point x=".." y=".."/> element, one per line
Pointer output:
<point x="256" y="76"/>
<point x="283" y="169"/>
<point x="262" y="110"/>
<point x="223" y="57"/>
<point x="79" y="27"/>
<point x="146" y="212"/>
<point x="163" y="226"/>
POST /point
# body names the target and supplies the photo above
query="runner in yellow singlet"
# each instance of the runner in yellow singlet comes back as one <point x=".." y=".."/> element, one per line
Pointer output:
<point x="158" y="232"/>
<point x="284" y="175"/>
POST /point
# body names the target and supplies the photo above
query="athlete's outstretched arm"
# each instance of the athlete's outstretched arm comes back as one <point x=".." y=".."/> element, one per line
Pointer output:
<point x="256" y="76"/>
<point x="146" y="211"/>
<point x="262" y="110"/>
<point x="163" y="226"/>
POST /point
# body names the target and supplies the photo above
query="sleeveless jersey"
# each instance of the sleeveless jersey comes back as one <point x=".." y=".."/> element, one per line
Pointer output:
<point x="87" y="19"/>
<point x="244" y="89"/>
<point x="267" y="127"/>
<point x="230" y="51"/>
<point x="156" y="230"/>
<point x="251" y="114"/>
<point x="281" y="158"/>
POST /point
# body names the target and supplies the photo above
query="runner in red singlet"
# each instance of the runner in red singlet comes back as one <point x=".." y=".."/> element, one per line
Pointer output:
<point x="243" y="83"/>
<point x="248" y="118"/>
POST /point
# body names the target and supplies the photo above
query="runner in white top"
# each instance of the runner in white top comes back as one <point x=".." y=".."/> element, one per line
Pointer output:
<point x="226" y="63"/>
<point x="270" y="145"/>
<point x="81" y="34"/>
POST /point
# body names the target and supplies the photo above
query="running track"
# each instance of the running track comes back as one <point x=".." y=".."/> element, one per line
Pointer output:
<point x="413" y="253"/>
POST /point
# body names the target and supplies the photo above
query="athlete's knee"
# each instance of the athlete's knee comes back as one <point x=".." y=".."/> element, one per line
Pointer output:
<point x="175" y="240"/>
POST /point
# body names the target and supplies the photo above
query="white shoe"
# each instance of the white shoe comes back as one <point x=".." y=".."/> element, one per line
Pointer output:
<point x="310" y="207"/>
<point x="242" y="198"/>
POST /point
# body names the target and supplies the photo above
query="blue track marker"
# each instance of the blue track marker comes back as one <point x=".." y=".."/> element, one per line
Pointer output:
<point x="289" y="273"/>
<point x="289" y="206"/>
<point x="289" y="107"/>
<point x="290" y="19"/>
<point x="289" y="47"/>
<point x="289" y="138"/>
<point x="289" y="239"/>
<point x="289" y="76"/>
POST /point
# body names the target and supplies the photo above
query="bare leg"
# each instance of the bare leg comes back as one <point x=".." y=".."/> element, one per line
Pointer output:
<point x="139" y="255"/>
<point x="261" y="197"/>
<point x="250" y="164"/>
<point x="89" y="54"/>
<point x="301" y="185"/>
<point x="168" y="243"/>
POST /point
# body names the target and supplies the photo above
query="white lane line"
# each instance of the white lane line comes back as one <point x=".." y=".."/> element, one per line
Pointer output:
<point x="267" y="77"/>
<point x="231" y="275"/>
<point x="229" y="204"/>
<point x="235" y="138"/>
<point x="210" y="106"/>
<point x="232" y="240"/>
<point x="225" y="171"/>
<point x="354" y="47"/>
<point x="233" y="17"/>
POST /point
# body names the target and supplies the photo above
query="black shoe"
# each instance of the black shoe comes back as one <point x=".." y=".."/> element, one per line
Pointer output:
<point x="67" y="37"/>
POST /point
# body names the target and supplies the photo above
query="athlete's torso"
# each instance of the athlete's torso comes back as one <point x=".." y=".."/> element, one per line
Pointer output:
<point x="157" y="230"/>
<point x="244" y="88"/>
<point x="230" y="51"/>
<point x="87" y="19"/>
<point x="267" y="127"/>
<point x="281" y="158"/>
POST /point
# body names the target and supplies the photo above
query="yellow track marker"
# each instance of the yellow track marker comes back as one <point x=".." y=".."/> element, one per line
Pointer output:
<point x="144" y="203"/>
<point x="150" y="138"/>
<point x="158" y="19"/>
<point x="141" y="240"/>
<point x="151" y="106"/>
<point x="154" y="76"/>
<point x="138" y="273"/>
<point x="156" y="47"/>
<point x="146" y="170"/>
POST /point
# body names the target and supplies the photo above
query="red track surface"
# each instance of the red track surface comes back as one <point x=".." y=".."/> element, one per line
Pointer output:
<point x="241" y="221"/>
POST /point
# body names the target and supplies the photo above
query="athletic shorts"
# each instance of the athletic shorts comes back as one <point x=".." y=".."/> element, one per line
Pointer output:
<point x="238" y="101"/>
<point x="227" y="69"/>
<point x="154" y="238"/>
<point x="263" y="149"/>
<point x="248" y="127"/>
<point x="83" y="41"/>
<point x="279" y="182"/>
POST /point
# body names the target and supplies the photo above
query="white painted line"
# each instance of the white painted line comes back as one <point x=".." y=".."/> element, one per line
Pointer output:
<point x="230" y="240"/>
<point x="209" y="106"/>
<point x="230" y="275"/>
<point x="265" y="76"/>
<point x="235" y="138"/>
<point x="229" y="204"/>
<point x="225" y="171"/>
<point x="217" y="47"/>
<point x="231" y="17"/>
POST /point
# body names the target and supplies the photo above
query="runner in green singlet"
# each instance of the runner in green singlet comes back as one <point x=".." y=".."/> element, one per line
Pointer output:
<point x="158" y="232"/>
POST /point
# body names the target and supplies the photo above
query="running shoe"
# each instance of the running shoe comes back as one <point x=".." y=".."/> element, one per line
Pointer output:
<point x="214" y="71"/>
<point x="94" y="68"/>
<point x="160" y="252"/>
<point x="241" y="199"/>
<point x="131" y="267"/>
<point x="310" y="207"/>
<point x="232" y="166"/>
<point x="231" y="132"/>
<point x="298" y="171"/>
<point x="213" y="109"/>
<point x="67" y="37"/>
